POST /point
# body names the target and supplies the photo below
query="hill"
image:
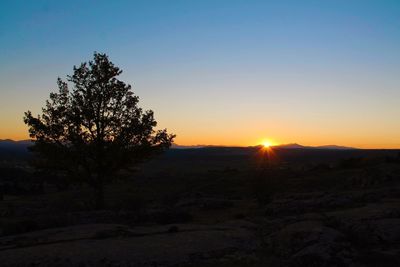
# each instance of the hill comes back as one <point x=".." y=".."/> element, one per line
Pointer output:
<point x="10" y="149"/>
<point x="297" y="146"/>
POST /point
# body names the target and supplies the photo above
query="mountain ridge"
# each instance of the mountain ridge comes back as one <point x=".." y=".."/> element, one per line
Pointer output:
<point x="282" y="146"/>
<point x="298" y="146"/>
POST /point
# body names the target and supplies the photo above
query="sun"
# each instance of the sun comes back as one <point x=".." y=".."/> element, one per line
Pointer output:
<point x="267" y="143"/>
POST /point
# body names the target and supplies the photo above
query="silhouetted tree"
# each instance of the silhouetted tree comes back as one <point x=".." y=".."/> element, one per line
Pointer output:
<point x="96" y="129"/>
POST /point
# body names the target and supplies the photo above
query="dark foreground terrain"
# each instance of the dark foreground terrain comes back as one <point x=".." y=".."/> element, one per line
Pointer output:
<point x="211" y="207"/>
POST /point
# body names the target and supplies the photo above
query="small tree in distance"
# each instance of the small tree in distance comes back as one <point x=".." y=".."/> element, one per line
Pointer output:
<point x="96" y="129"/>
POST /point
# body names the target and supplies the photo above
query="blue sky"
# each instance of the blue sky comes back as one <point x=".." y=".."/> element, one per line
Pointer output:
<point x="312" y="72"/>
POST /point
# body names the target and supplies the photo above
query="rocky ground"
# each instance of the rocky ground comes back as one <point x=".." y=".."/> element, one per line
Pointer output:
<point x="318" y="218"/>
<point x="119" y="245"/>
<point x="328" y="230"/>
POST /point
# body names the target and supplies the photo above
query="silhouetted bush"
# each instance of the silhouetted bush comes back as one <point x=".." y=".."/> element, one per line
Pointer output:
<point x="17" y="181"/>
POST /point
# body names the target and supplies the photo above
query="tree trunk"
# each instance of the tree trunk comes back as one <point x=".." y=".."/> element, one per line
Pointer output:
<point x="99" y="191"/>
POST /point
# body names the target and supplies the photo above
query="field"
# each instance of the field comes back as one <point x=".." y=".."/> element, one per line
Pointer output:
<point x="213" y="206"/>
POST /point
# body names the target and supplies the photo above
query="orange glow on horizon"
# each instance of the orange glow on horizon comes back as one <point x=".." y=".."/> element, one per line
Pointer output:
<point x="243" y="137"/>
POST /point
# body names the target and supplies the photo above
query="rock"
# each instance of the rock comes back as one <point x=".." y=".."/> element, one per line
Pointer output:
<point x="382" y="258"/>
<point x="388" y="230"/>
<point x="310" y="243"/>
<point x="308" y="203"/>
<point x="380" y="231"/>
<point x="119" y="245"/>
<point x="370" y="225"/>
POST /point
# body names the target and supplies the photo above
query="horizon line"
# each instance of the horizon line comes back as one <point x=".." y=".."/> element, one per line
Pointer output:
<point x="343" y="147"/>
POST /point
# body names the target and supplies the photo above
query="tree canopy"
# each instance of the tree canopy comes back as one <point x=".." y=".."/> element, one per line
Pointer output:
<point x="96" y="128"/>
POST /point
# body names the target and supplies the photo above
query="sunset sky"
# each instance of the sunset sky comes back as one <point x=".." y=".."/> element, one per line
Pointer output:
<point x="220" y="72"/>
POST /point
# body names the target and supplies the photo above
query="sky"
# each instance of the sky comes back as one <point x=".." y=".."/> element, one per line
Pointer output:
<point x="220" y="72"/>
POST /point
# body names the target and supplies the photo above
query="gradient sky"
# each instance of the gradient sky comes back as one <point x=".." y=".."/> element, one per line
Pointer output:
<point x="219" y="72"/>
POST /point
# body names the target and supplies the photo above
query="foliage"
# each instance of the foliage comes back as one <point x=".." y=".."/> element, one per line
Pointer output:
<point x="96" y="129"/>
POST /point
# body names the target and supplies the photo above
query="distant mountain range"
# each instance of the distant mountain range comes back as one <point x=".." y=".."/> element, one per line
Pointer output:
<point x="297" y="146"/>
<point x="14" y="149"/>
<point x="12" y="143"/>
<point x="284" y="146"/>
<point x="175" y="146"/>
<point x="9" y="144"/>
